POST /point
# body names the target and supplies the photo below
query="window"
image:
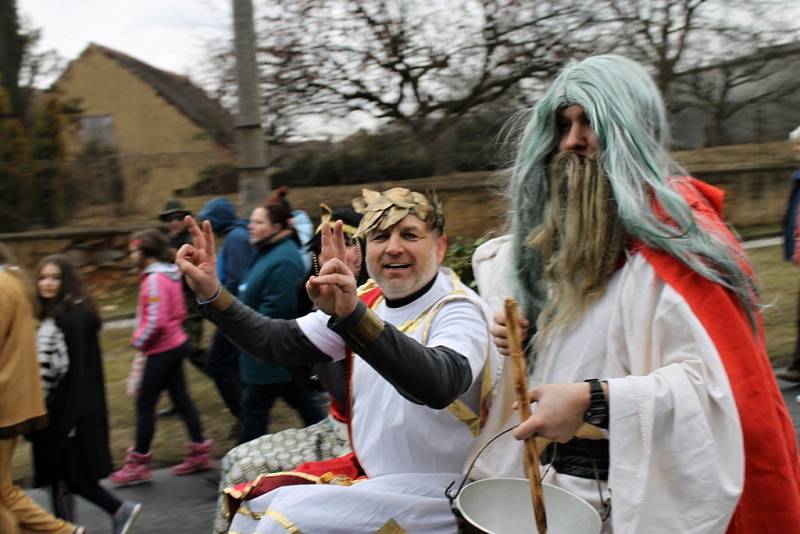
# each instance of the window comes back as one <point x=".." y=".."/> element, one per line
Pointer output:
<point x="98" y="130"/>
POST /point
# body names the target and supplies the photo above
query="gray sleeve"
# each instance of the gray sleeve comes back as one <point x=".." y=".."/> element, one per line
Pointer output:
<point x="278" y="341"/>
<point x="432" y="376"/>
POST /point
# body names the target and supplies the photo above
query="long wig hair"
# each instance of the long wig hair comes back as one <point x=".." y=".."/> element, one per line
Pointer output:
<point x="627" y="115"/>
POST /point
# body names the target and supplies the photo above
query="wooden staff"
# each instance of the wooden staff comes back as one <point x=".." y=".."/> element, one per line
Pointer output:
<point x="531" y="454"/>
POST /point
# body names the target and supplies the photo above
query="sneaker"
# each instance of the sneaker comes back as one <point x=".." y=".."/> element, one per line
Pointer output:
<point x="198" y="458"/>
<point x="789" y="374"/>
<point x="135" y="471"/>
<point x="122" y="520"/>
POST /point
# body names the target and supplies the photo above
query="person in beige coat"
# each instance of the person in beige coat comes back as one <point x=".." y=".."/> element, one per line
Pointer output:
<point x="21" y="402"/>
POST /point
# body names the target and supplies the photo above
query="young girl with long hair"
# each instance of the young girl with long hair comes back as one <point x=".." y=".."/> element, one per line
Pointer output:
<point x="71" y="455"/>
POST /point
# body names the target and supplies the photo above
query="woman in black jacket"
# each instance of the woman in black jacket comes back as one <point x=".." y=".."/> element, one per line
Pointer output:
<point x="71" y="455"/>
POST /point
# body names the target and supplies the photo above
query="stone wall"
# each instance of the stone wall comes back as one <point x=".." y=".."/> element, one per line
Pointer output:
<point x="755" y="178"/>
<point x="89" y="248"/>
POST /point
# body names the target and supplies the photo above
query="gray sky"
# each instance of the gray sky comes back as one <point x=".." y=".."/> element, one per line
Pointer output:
<point x="169" y="34"/>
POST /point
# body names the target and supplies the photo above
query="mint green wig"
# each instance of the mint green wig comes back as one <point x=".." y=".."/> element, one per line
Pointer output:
<point x="627" y="114"/>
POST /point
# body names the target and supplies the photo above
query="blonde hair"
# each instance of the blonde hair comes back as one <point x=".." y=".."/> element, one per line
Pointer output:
<point x="581" y="240"/>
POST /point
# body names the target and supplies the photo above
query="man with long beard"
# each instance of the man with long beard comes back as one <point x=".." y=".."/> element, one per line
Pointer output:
<point x="647" y="320"/>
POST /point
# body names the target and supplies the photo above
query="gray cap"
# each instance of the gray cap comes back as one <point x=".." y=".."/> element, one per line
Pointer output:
<point x="173" y="207"/>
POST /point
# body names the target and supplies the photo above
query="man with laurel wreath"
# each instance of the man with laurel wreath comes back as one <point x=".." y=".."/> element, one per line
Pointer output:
<point x="418" y="346"/>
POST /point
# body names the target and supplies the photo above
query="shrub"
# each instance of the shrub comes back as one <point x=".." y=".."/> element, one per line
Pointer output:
<point x="459" y="258"/>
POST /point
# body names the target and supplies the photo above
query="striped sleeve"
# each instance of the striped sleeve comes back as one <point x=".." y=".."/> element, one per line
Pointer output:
<point x="148" y="325"/>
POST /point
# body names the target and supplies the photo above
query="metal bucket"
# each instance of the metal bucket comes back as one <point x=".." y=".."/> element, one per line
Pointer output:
<point x="503" y="506"/>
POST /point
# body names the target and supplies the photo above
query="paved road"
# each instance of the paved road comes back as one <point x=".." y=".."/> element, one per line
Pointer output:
<point x="171" y="505"/>
<point x="764" y="242"/>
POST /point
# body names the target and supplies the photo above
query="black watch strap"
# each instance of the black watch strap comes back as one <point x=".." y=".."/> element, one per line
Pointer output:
<point x="597" y="414"/>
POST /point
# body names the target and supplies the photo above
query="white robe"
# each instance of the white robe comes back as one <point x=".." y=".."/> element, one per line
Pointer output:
<point x="410" y="452"/>
<point x="676" y="447"/>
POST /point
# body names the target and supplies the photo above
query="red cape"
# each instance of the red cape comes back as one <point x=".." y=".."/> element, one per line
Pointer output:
<point x="770" y="501"/>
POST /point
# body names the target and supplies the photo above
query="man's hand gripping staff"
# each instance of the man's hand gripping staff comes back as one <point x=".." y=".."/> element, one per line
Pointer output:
<point x="559" y="407"/>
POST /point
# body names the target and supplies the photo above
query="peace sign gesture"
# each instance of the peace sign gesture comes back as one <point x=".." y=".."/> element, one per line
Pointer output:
<point x="198" y="262"/>
<point x="334" y="290"/>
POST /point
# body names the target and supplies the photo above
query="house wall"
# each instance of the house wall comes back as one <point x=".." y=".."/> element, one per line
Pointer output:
<point x="159" y="148"/>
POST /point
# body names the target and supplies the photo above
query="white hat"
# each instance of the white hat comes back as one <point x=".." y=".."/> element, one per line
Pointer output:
<point x="794" y="134"/>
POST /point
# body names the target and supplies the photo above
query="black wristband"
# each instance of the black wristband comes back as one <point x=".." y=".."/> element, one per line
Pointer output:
<point x="597" y="414"/>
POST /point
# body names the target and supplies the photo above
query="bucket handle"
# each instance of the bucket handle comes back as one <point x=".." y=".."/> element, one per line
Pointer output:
<point x="453" y="494"/>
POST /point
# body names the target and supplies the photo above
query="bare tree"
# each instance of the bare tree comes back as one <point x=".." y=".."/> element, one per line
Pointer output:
<point x="422" y="64"/>
<point x="675" y="35"/>
<point x="723" y="91"/>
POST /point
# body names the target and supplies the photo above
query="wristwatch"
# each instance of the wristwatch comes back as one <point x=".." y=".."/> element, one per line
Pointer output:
<point x="597" y="414"/>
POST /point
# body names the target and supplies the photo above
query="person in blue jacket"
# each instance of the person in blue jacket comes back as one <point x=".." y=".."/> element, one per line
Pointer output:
<point x="232" y="264"/>
<point x="792" y="372"/>
<point x="270" y="288"/>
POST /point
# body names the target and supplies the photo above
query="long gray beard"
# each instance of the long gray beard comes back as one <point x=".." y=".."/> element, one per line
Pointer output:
<point x="581" y="240"/>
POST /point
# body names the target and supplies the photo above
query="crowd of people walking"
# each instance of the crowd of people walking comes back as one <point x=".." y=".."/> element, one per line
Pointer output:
<point x="67" y="424"/>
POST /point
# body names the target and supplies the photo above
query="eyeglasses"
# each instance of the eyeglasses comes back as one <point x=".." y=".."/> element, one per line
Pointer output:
<point x="174" y="217"/>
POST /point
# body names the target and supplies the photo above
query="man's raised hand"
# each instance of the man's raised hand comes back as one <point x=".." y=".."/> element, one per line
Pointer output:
<point x="198" y="262"/>
<point x="499" y="331"/>
<point x="334" y="290"/>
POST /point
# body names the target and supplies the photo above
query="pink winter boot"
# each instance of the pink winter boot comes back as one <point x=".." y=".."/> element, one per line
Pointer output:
<point x="198" y="458"/>
<point x="135" y="470"/>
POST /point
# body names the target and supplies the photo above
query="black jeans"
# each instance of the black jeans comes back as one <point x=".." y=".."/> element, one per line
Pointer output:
<point x="223" y="366"/>
<point x="164" y="371"/>
<point x="63" y="506"/>
<point x="257" y="401"/>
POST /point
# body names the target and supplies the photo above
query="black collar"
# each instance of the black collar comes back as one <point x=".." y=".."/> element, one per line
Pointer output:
<point x="265" y="245"/>
<point x="397" y="303"/>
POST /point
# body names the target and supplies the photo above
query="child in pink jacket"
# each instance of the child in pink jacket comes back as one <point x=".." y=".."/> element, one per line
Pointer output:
<point x="160" y="311"/>
<point x="159" y="335"/>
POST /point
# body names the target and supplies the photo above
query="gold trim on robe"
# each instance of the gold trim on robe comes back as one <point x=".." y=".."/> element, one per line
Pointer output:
<point x="391" y="527"/>
<point x="283" y="521"/>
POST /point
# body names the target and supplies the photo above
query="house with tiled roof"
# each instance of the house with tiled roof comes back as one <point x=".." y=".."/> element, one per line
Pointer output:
<point x="160" y="128"/>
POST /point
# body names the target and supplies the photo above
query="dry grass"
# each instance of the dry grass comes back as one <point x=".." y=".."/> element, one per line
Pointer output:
<point x="779" y="293"/>
<point x="779" y="286"/>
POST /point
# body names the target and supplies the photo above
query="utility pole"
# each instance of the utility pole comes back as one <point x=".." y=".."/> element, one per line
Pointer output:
<point x="253" y="181"/>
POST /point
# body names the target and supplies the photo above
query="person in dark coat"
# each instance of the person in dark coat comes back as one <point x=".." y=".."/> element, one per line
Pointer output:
<point x="72" y="455"/>
<point x="790" y="234"/>
<point x="232" y="262"/>
<point x="271" y="289"/>
<point x="172" y="216"/>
